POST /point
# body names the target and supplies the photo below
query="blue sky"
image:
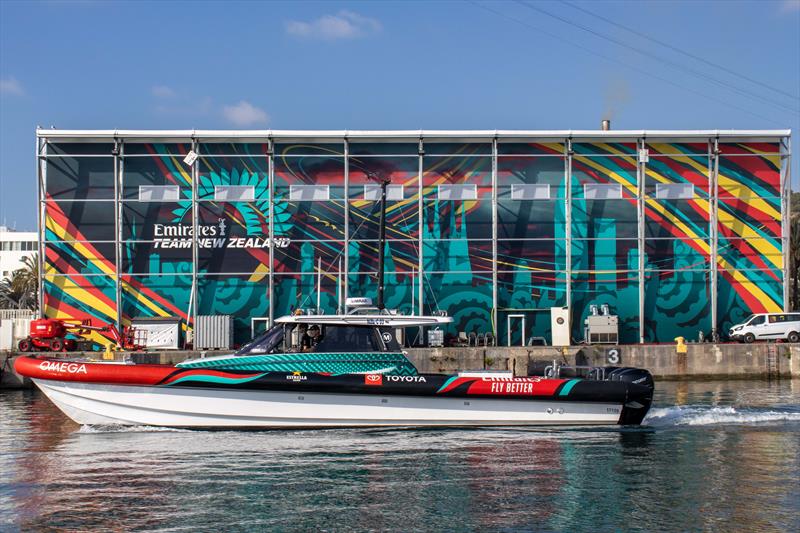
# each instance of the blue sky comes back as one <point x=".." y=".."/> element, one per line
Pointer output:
<point x="387" y="65"/>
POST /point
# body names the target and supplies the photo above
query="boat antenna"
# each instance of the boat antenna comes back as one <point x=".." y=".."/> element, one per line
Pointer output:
<point x="383" y="181"/>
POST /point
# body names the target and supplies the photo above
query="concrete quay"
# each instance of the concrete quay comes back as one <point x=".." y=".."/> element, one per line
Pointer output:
<point x="701" y="361"/>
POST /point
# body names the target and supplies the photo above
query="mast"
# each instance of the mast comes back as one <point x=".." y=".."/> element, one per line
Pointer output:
<point x="382" y="244"/>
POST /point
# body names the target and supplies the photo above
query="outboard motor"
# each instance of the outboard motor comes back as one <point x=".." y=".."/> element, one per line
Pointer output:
<point x="640" y="392"/>
<point x="629" y="374"/>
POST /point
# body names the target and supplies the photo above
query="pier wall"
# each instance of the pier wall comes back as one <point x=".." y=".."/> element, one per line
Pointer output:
<point x="699" y="361"/>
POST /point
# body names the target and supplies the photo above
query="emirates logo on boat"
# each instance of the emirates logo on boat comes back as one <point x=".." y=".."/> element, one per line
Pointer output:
<point x="373" y="379"/>
<point x="296" y="377"/>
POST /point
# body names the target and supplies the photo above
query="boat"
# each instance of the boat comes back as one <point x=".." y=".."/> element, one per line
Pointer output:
<point x="356" y="375"/>
<point x="343" y="370"/>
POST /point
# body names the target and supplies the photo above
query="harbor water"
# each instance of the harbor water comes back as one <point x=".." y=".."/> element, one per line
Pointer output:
<point x="722" y="456"/>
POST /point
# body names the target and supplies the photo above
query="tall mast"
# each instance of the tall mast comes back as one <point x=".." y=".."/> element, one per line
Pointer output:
<point x="382" y="244"/>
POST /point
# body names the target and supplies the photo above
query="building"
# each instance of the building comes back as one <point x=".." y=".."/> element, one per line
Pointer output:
<point x="14" y="245"/>
<point x="680" y="233"/>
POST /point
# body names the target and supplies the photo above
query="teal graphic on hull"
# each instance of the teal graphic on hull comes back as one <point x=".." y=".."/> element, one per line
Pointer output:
<point x="393" y="364"/>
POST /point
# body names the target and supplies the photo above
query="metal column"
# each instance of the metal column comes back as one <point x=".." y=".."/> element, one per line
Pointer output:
<point x="271" y="228"/>
<point x="568" y="224"/>
<point x="641" y="175"/>
<point x="494" y="242"/>
<point x="420" y="238"/>
<point x="346" y="252"/>
<point x="118" y="175"/>
<point x="713" y="191"/>
<point x="195" y="231"/>
<point x="786" y="213"/>
<point x="41" y="207"/>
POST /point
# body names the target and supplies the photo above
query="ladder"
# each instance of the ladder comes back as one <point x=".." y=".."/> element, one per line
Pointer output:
<point x="772" y="362"/>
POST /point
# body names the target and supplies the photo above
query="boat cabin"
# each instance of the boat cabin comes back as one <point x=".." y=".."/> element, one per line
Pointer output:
<point x="355" y="333"/>
<point x="320" y="338"/>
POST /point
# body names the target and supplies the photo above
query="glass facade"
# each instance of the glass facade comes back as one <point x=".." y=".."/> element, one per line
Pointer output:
<point x="677" y="237"/>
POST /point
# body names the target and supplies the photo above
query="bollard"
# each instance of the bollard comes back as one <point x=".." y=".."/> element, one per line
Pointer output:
<point x="680" y="345"/>
<point x="108" y="354"/>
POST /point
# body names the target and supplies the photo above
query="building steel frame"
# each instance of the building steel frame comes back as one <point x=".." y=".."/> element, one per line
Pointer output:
<point x="566" y="137"/>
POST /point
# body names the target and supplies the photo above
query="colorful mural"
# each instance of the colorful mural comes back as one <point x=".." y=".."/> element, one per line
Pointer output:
<point x="453" y="235"/>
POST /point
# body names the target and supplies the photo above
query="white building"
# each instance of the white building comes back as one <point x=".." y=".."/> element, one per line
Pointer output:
<point x="14" y="245"/>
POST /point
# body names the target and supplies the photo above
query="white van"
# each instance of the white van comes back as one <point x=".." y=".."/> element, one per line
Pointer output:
<point x="765" y="326"/>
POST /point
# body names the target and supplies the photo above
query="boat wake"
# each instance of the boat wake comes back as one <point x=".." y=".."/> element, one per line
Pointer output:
<point x="705" y="415"/>
<point x="90" y="429"/>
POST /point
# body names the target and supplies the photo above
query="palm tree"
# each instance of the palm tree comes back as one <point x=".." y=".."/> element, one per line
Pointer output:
<point x="21" y="290"/>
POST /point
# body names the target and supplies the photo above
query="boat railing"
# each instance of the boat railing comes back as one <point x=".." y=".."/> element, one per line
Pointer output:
<point x="592" y="372"/>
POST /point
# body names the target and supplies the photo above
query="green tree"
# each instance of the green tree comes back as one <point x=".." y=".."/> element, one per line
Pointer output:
<point x="21" y="290"/>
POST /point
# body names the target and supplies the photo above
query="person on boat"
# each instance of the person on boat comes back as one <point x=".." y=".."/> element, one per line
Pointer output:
<point x="311" y="338"/>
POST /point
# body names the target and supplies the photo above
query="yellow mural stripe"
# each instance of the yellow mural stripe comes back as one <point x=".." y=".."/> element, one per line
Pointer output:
<point x="751" y="287"/>
<point x="259" y="274"/>
<point x="558" y="147"/>
<point x="68" y="286"/>
<point x="186" y="176"/>
<point x="61" y="282"/>
<point x="772" y="157"/>
<point x="725" y="218"/>
<point x="399" y="260"/>
<point x="731" y="184"/>
<point x="764" y="246"/>
<point x="139" y="297"/>
<point x="80" y="247"/>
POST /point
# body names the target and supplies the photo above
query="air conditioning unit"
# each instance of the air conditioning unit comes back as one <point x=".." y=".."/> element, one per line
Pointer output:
<point x="601" y="329"/>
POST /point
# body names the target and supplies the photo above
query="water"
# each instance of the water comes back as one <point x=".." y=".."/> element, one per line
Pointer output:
<point x="714" y="456"/>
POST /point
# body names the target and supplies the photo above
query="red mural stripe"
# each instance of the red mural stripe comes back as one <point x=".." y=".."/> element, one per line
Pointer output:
<point x="686" y="172"/>
<point x="753" y="303"/>
<point x="61" y="219"/>
<point x="150" y="293"/>
<point x="63" y="267"/>
<point x="754" y="213"/>
<point x="160" y="164"/>
<point x="750" y="253"/>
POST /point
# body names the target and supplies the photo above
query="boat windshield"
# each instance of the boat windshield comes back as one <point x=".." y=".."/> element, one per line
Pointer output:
<point x="267" y="342"/>
<point x="349" y="339"/>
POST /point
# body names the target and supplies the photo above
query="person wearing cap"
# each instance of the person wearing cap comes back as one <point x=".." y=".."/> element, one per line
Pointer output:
<point x="311" y="338"/>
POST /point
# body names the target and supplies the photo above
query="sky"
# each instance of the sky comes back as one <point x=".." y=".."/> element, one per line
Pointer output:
<point x="388" y="65"/>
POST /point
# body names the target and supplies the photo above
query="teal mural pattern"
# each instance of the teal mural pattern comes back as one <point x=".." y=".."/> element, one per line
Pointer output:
<point x="453" y="235"/>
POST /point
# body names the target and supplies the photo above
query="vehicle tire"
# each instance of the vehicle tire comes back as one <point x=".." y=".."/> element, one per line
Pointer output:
<point x="57" y="345"/>
<point x="24" y="345"/>
<point x="793" y="336"/>
<point x="749" y="338"/>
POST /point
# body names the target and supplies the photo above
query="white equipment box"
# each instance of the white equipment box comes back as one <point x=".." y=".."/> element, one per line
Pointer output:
<point x="163" y="333"/>
<point x="559" y="325"/>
